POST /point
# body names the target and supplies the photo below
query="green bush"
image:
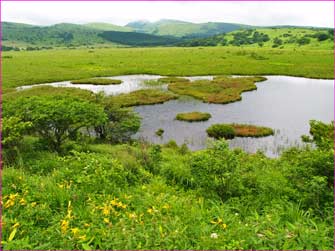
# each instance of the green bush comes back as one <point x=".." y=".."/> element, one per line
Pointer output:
<point x="56" y="119"/>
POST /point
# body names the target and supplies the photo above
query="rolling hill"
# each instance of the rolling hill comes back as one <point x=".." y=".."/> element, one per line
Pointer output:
<point x="17" y="36"/>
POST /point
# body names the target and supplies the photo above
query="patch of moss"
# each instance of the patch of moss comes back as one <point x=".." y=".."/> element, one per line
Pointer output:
<point x="143" y="97"/>
<point x="220" y="90"/>
<point x="97" y="81"/>
<point x="193" y="116"/>
<point x="229" y="131"/>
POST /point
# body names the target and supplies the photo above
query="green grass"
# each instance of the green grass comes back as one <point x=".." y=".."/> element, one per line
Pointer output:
<point x="142" y="97"/>
<point x="97" y="81"/>
<point x="193" y="116"/>
<point x="229" y="131"/>
<point x="47" y="90"/>
<point x="220" y="90"/>
<point x="108" y="199"/>
<point x="34" y="67"/>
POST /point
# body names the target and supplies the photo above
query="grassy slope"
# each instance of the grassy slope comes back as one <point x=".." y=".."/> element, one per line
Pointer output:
<point x="24" y="68"/>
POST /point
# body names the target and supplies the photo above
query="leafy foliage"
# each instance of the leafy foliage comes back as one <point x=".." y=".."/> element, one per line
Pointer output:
<point x="143" y="196"/>
<point x="56" y="119"/>
<point x="121" y="124"/>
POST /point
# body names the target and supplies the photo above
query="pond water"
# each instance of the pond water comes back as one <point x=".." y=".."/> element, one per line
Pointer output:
<point x="285" y="104"/>
<point x="129" y="83"/>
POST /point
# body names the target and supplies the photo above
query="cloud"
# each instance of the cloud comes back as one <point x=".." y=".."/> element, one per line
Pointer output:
<point x="254" y="13"/>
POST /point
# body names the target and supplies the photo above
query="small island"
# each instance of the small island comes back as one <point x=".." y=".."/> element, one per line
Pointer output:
<point x="230" y="131"/>
<point x="193" y="116"/>
<point x="97" y="81"/>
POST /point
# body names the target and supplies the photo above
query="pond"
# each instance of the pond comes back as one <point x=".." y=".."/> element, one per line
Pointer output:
<point x="283" y="103"/>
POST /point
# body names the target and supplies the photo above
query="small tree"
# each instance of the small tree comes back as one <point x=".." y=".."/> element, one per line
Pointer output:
<point x="121" y="124"/>
<point x="55" y="119"/>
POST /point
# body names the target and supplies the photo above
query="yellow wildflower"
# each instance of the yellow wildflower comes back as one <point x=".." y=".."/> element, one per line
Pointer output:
<point x="75" y="230"/>
<point x="106" y="210"/>
<point x="13" y="196"/>
<point x="224" y="226"/>
<point x="64" y="226"/>
<point x="166" y="206"/>
<point x="11" y="200"/>
<point x="132" y="215"/>
<point x="33" y="204"/>
<point x="106" y="220"/>
<point x="150" y="211"/>
<point x="82" y="237"/>
<point x="23" y="202"/>
<point x="114" y="202"/>
<point x="87" y="225"/>
<point x="9" y="203"/>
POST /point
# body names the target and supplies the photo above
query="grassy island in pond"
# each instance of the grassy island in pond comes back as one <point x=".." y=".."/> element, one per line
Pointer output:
<point x="97" y="81"/>
<point x="229" y="131"/>
<point x="220" y="90"/>
<point x="169" y="80"/>
<point x="193" y="116"/>
<point x="143" y="97"/>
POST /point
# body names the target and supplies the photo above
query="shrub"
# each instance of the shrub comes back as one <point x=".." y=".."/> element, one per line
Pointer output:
<point x="217" y="170"/>
<point x="56" y="119"/>
<point x="303" y="41"/>
<point x="122" y="123"/>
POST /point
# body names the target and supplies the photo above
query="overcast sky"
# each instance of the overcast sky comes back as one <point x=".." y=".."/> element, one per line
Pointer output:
<point x="120" y="13"/>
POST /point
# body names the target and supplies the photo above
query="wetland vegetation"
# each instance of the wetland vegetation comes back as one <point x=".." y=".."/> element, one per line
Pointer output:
<point x="220" y="90"/>
<point x="193" y="116"/>
<point x="143" y="97"/>
<point x="75" y="177"/>
<point x="229" y="131"/>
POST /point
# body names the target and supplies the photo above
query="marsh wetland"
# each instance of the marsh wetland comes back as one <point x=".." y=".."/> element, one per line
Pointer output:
<point x="285" y="104"/>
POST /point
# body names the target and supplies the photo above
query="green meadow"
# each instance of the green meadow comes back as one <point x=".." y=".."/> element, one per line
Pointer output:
<point x="75" y="179"/>
<point x="33" y="67"/>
